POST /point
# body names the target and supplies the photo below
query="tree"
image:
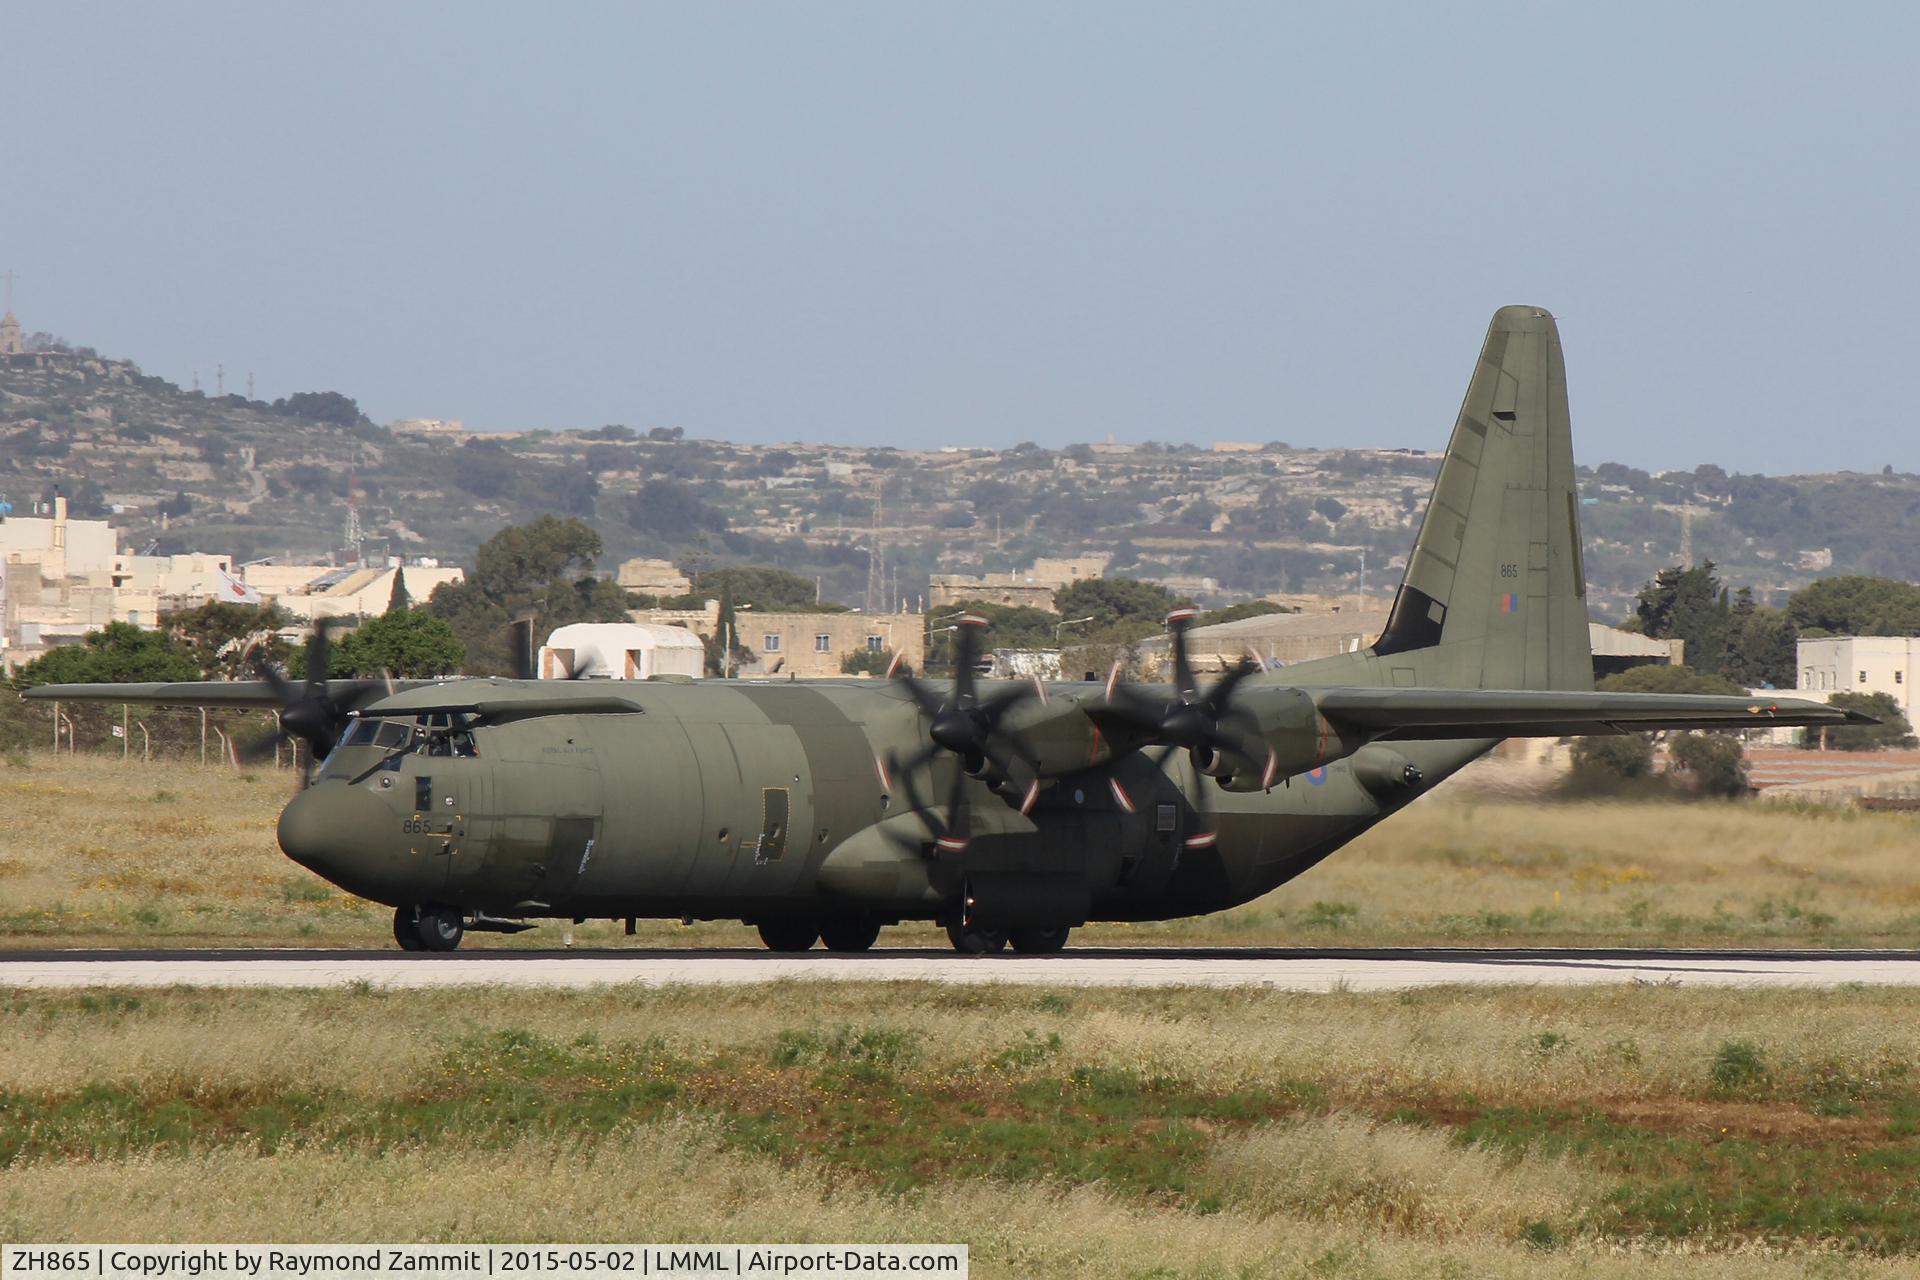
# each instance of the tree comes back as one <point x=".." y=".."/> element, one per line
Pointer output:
<point x="400" y="598"/>
<point x="1330" y="509"/>
<point x="1712" y="764"/>
<point x="320" y="406"/>
<point x="118" y="653"/>
<point x="1008" y="627"/>
<point x="223" y="638"/>
<point x="543" y="568"/>
<point x="1121" y="609"/>
<point x="409" y="644"/>
<point x="1892" y="731"/>
<point x="1760" y="645"/>
<point x="725" y="653"/>
<point x="1690" y="604"/>
<point x="754" y="586"/>
<point x="867" y="662"/>
<point x="1853" y="605"/>
<point x="1661" y="678"/>
<point x="1608" y="763"/>
<point x="669" y="510"/>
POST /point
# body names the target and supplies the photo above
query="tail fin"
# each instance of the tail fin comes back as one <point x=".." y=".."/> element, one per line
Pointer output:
<point x="1495" y="591"/>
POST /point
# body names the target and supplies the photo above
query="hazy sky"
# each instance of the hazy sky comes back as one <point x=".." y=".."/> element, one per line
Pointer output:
<point x="892" y="223"/>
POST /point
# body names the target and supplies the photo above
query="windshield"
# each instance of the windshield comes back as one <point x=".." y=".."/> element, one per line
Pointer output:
<point x="438" y="734"/>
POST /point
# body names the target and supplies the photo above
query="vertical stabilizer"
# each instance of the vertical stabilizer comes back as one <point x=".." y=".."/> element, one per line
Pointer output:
<point x="1495" y="591"/>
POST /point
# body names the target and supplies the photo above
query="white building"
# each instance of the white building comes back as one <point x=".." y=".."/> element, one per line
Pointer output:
<point x="621" y="651"/>
<point x="1859" y="664"/>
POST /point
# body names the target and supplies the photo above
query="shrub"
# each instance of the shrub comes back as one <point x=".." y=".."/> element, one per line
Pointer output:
<point x="1738" y="1065"/>
<point x="1713" y="764"/>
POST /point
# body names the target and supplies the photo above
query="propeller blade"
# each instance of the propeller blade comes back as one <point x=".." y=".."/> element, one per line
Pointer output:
<point x="966" y="658"/>
<point x="1216" y="698"/>
<point x="275" y="681"/>
<point x="954" y="838"/>
<point x="520" y="633"/>
<point x="318" y="654"/>
<point x="1177" y="623"/>
<point x="1000" y="703"/>
<point x="923" y="697"/>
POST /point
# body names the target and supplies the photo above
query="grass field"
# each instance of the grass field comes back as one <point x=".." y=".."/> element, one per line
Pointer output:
<point x="94" y="851"/>
<point x="1598" y="1133"/>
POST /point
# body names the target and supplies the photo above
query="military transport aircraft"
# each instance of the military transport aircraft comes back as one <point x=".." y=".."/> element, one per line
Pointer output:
<point x="1009" y="811"/>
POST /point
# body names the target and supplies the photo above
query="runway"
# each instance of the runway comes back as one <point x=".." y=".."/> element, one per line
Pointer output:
<point x="1278" y="969"/>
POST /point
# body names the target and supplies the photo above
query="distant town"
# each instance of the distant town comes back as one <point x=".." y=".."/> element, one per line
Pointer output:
<point x="124" y="497"/>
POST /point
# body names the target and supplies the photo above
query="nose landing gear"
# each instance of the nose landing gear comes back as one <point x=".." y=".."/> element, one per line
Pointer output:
<point x="425" y="927"/>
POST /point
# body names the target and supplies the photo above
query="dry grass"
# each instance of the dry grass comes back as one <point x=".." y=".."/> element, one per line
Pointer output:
<point x="1519" y="1047"/>
<point x="1365" y="1173"/>
<point x="99" y="852"/>
<point x="675" y="1182"/>
<point x="1071" y="1133"/>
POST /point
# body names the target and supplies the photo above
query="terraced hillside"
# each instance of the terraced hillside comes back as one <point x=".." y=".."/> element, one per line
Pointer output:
<point x="252" y="478"/>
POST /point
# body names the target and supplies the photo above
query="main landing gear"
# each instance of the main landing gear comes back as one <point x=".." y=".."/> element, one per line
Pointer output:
<point x="840" y="933"/>
<point x="428" y="928"/>
<point x="1029" y="940"/>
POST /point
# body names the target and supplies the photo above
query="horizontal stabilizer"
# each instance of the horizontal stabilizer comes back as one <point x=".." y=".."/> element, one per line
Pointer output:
<point x="1543" y="713"/>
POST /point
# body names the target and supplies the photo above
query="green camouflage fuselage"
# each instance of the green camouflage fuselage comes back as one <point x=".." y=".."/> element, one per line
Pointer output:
<point x="754" y="800"/>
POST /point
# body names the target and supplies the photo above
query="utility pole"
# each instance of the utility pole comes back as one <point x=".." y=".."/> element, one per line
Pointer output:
<point x="219" y="379"/>
<point x="876" y="562"/>
<point x="249" y="384"/>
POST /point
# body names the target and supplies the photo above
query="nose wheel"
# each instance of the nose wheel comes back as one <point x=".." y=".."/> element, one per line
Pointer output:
<point x="428" y="928"/>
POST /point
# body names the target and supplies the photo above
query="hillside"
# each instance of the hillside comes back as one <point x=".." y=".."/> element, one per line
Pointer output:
<point x="192" y="471"/>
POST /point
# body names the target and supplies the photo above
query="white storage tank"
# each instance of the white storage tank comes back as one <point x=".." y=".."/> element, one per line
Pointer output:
<point x="621" y="651"/>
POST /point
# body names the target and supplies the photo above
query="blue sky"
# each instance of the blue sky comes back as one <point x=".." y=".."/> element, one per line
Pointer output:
<point x="989" y="223"/>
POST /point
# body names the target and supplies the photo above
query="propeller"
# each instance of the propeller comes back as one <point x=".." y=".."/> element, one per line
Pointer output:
<point x="313" y="712"/>
<point x="520" y="641"/>
<point x="1191" y="720"/>
<point x="967" y="726"/>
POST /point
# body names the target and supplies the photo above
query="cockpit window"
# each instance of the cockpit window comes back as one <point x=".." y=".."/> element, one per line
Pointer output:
<point x="359" y="733"/>
<point x="392" y="733"/>
<point x="438" y="734"/>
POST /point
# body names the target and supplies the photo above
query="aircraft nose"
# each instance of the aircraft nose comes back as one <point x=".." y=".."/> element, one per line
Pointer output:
<point x="325" y="828"/>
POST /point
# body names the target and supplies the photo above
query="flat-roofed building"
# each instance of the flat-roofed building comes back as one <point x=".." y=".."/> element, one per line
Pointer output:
<point x="811" y="645"/>
<point x="652" y="578"/>
<point x="1859" y="664"/>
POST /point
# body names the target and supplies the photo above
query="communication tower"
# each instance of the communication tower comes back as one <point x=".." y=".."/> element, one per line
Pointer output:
<point x="876" y="561"/>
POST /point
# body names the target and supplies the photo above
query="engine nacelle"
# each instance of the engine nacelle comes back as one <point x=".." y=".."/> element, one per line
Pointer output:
<point x="1386" y="774"/>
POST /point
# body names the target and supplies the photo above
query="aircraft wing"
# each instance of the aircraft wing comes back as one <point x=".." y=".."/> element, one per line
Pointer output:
<point x="1548" y="713"/>
<point x="201" y="693"/>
